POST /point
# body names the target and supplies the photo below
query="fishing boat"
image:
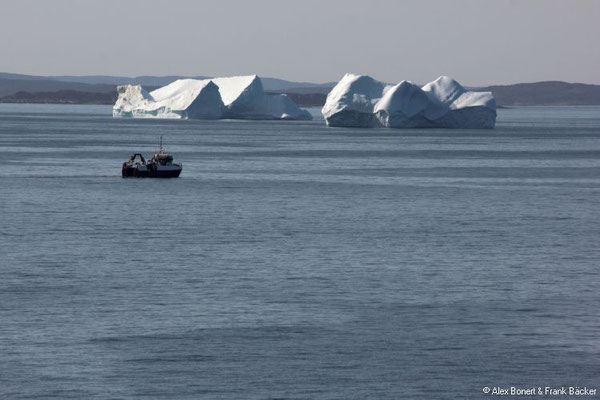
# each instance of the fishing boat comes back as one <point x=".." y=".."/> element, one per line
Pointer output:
<point x="161" y="165"/>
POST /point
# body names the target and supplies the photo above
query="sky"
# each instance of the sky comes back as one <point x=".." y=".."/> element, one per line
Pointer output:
<point x="477" y="42"/>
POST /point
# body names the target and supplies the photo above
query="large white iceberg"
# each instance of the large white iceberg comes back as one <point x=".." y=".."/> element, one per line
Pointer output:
<point x="184" y="98"/>
<point x="239" y="97"/>
<point x="361" y="101"/>
<point x="244" y="98"/>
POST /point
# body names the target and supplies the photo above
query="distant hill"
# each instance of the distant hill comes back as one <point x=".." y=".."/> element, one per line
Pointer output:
<point x="268" y="83"/>
<point x="119" y="80"/>
<point x="274" y="84"/>
<point x="304" y="99"/>
<point x="7" y="75"/>
<point x="99" y="79"/>
<point x="10" y="86"/>
<point x="62" y="97"/>
<point x="100" y="89"/>
<point x="550" y="93"/>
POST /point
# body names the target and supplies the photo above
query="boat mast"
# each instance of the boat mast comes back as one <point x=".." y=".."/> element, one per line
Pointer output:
<point x="160" y="146"/>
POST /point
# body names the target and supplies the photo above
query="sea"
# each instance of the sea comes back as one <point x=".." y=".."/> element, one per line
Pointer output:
<point x="295" y="261"/>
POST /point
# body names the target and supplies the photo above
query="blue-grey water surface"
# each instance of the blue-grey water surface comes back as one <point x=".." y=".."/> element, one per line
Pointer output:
<point x="295" y="261"/>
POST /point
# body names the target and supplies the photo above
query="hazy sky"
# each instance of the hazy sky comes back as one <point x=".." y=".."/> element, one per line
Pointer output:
<point x="477" y="42"/>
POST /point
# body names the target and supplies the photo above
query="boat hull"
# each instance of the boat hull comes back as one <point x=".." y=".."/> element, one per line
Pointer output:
<point x="133" y="172"/>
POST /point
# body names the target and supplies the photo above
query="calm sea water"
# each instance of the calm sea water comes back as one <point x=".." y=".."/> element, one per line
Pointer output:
<point x="295" y="261"/>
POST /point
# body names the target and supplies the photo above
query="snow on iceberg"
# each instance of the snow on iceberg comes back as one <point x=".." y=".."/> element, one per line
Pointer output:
<point x="244" y="98"/>
<point x="240" y="97"/>
<point x="351" y="102"/>
<point x="188" y="98"/>
<point x="131" y="97"/>
<point x="361" y="101"/>
<point x="184" y="98"/>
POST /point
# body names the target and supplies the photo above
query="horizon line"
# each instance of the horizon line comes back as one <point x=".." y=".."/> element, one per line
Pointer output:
<point x="271" y="77"/>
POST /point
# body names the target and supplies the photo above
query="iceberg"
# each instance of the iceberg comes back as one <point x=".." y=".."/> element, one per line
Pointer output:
<point x="239" y="97"/>
<point x="361" y="101"/>
<point x="131" y="97"/>
<point x="186" y="98"/>
<point x="351" y="102"/>
<point x="244" y="98"/>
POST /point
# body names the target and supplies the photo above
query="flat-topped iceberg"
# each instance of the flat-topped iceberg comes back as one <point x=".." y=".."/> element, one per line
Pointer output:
<point x="239" y="97"/>
<point x="184" y="98"/>
<point x="361" y="101"/>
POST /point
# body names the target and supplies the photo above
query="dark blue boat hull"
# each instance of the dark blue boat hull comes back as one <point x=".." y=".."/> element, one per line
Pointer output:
<point x="132" y="172"/>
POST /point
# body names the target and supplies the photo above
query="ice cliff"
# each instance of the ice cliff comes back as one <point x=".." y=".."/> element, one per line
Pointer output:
<point x="239" y="97"/>
<point x="361" y="101"/>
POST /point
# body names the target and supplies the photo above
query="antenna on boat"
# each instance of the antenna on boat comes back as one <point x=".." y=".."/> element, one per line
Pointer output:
<point x="160" y="146"/>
